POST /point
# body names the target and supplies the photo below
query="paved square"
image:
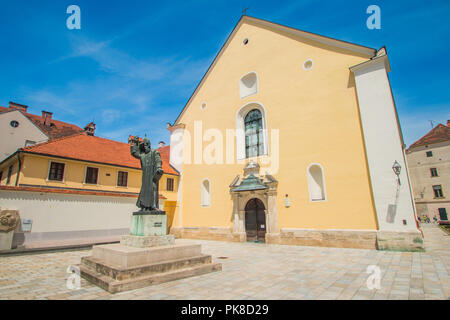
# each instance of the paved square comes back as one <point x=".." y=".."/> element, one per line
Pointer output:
<point x="256" y="271"/>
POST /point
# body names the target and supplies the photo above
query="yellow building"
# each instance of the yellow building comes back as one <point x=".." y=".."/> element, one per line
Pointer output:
<point x="291" y="138"/>
<point x="79" y="186"/>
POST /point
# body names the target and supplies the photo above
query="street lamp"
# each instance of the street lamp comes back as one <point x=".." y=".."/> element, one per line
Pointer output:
<point x="397" y="168"/>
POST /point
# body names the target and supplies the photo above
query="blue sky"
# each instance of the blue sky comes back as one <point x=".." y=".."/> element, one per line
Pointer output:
<point x="134" y="64"/>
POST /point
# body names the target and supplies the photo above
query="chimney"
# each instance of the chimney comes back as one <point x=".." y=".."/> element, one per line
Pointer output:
<point x="161" y="144"/>
<point x="47" y="117"/>
<point x="90" y="129"/>
<point x="448" y="123"/>
<point x="16" y="106"/>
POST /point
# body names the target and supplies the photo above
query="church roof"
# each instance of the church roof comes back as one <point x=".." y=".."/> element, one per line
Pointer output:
<point x="88" y="148"/>
<point x="352" y="47"/>
<point x="440" y="133"/>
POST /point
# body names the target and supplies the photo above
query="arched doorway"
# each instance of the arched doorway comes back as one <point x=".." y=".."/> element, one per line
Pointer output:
<point x="255" y="220"/>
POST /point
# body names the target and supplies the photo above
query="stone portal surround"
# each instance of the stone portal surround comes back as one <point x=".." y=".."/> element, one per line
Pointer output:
<point x="362" y="239"/>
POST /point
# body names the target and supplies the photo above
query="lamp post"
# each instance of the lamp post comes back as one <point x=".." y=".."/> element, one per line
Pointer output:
<point x="397" y="168"/>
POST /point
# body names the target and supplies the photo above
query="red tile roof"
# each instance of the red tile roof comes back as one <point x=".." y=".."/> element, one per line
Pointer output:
<point x="165" y="157"/>
<point x="57" y="129"/>
<point x="440" y="133"/>
<point x="95" y="149"/>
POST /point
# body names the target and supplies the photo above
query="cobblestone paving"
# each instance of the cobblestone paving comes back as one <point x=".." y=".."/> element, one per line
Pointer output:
<point x="256" y="271"/>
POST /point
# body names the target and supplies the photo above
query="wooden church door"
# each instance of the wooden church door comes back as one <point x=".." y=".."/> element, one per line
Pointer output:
<point x="255" y="221"/>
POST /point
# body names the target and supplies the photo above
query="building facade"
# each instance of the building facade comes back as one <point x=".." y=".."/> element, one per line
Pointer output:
<point x="429" y="167"/>
<point x="290" y="138"/>
<point x="78" y="186"/>
<point x="19" y="128"/>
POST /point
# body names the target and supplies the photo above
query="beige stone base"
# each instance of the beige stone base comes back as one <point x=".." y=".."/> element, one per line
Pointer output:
<point x="304" y="237"/>
<point x="147" y="241"/>
<point x="207" y="233"/>
<point x="400" y="241"/>
<point x="361" y="239"/>
<point x="325" y="238"/>
<point x="117" y="268"/>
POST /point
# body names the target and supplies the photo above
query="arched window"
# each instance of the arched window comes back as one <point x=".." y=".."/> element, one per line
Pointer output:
<point x="316" y="183"/>
<point x="254" y="143"/>
<point x="206" y="193"/>
<point x="251" y="116"/>
<point x="248" y="85"/>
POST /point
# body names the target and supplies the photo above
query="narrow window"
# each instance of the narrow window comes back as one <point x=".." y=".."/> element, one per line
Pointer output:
<point x="438" y="191"/>
<point x="8" y="178"/>
<point x="91" y="175"/>
<point x="56" y="172"/>
<point x="429" y="154"/>
<point x="206" y="193"/>
<point x="1" y="177"/>
<point x="443" y="214"/>
<point x="434" y="172"/>
<point x="169" y="186"/>
<point x="122" y="179"/>
<point x="254" y="145"/>
<point x="316" y="183"/>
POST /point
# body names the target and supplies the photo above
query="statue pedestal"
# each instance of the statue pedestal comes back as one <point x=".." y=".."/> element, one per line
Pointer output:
<point x="146" y="257"/>
<point x="147" y="241"/>
<point x="6" y="239"/>
<point x="148" y="224"/>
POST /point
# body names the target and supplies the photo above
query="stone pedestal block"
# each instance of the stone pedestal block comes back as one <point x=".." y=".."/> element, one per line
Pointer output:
<point x="6" y="239"/>
<point x="148" y="224"/>
<point x="117" y="268"/>
<point x="147" y="241"/>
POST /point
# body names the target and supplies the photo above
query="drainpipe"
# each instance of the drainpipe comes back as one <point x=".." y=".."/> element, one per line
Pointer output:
<point x="19" y="168"/>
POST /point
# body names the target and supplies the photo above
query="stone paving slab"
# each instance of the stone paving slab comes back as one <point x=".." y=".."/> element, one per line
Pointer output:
<point x="255" y="271"/>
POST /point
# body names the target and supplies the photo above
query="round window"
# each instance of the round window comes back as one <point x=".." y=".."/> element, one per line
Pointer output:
<point x="14" y="124"/>
<point x="245" y="41"/>
<point x="203" y="106"/>
<point x="308" y="65"/>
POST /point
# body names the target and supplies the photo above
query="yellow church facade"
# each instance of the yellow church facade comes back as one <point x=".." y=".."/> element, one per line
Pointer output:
<point x="290" y="138"/>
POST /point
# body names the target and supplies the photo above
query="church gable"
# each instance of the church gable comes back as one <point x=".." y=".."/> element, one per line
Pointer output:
<point x="256" y="44"/>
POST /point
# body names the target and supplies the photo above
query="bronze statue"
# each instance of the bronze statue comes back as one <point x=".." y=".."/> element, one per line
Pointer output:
<point x="151" y="165"/>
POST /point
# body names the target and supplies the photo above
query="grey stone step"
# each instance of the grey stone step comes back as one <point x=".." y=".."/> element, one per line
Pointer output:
<point x="118" y="273"/>
<point x="111" y="285"/>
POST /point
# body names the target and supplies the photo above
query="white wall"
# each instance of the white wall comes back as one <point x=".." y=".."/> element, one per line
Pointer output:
<point x="383" y="145"/>
<point x="176" y="149"/>
<point x="70" y="216"/>
<point x="14" y="138"/>
<point x="419" y="169"/>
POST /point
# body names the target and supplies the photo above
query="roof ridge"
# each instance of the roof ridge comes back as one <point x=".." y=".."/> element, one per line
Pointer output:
<point x="312" y="36"/>
<point x="312" y="33"/>
<point x="52" y="141"/>
<point x="36" y="116"/>
<point x="107" y="139"/>
<point x="429" y="133"/>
